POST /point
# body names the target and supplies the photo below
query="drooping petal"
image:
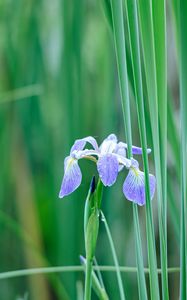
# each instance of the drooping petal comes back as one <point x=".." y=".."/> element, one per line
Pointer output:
<point x="134" y="186"/>
<point x="138" y="150"/>
<point x="107" y="167"/>
<point x="77" y="154"/>
<point x="135" y="150"/>
<point x="80" y="144"/>
<point x="134" y="163"/>
<point x="72" y="177"/>
<point x="109" y="144"/>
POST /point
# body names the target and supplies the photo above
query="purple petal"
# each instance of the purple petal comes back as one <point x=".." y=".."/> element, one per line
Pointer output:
<point x="121" y="149"/>
<point x="135" y="164"/>
<point x="135" y="150"/>
<point x="72" y="177"/>
<point x="138" y="150"/>
<point x="152" y="184"/>
<point x="111" y="137"/>
<point x="134" y="186"/>
<point x="123" y="162"/>
<point x="109" y="144"/>
<point x="80" y="143"/>
<point x="107" y="167"/>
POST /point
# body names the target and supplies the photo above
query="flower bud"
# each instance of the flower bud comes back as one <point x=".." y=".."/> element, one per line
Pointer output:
<point x="92" y="234"/>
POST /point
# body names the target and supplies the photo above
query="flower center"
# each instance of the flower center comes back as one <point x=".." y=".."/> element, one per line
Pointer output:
<point x="136" y="171"/>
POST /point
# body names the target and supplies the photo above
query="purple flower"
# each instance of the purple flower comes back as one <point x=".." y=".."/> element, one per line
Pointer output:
<point x="110" y="158"/>
<point x="134" y="185"/>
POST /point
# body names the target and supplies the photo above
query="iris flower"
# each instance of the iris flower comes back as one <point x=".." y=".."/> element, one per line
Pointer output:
<point x="110" y="158"/>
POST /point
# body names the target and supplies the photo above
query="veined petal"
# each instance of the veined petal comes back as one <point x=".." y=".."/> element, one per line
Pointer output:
<point x="107" y="167"/>
<point x="109" y="144"/>
<point x="80" y="144"/>
<point x="134" y="186"/>
<point x="72" y="177"/>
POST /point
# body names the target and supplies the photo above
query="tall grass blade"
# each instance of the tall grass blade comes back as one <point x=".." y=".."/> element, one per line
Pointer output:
<point x="153" y="68"/>
<point x="183" y="107"/>
<point x="159" y="25"/>
<point x="119" y="36"/>
<point x="136" y="63"/>
<point x="159" y="20"/>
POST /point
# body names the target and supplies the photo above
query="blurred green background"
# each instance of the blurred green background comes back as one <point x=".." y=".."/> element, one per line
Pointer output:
<point x="58" y="82"/>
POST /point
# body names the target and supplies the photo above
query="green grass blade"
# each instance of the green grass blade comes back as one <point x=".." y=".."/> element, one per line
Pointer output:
<point x="159" y="23"/>
<point x="135" y="53"/>
<point x="173" y="136"/>
<point x="153" y="68"/>
<point x="66" y="269"/>
<point x="159" y="20"/>
<point x="139" y="257"/>
<point x="119" y="38"/>
<point x="183" y="107"/>
<point x="120" y="50"/>
<point x="131" y="10"/>
<point x="173" y="139"/>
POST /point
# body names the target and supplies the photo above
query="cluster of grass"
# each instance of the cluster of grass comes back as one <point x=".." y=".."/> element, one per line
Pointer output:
<point x="71" y="69"/>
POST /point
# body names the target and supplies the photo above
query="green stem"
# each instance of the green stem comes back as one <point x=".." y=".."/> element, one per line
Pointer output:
<point x="88" y="282"/>
<point x="97" y="282"/>
<point x="91" y="227"/>
<point x="120" y="283"/>
<point x="64" y="269"/>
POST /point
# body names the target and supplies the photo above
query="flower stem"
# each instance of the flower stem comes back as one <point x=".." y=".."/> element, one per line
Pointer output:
<point x="88" y="282"/>
<point x="91" y="228"/>
<point x="119" y="279"/>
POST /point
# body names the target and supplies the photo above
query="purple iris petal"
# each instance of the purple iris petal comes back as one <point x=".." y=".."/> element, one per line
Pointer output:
<point x="109" y="144"/>
<point x="72" y="177"/>
<point x="152" y="184"/>
<point x="120" y="149"/>
<point x="80" y="143"/>
<point x="135" y="150"/>
<point x="107" y="167"/>
<point x="135" y="164"/>
<point x="123" y="162"/>
<point x="138" y="150"/>
<point x="134" y="186"/>
<point x="111" y="137"/>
